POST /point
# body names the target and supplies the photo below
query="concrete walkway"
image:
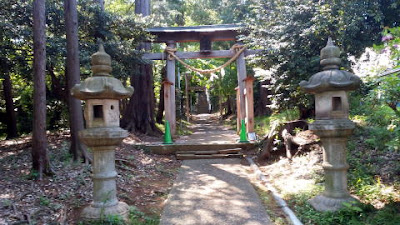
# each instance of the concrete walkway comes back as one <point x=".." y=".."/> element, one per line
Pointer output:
<point x="213" y="191"/>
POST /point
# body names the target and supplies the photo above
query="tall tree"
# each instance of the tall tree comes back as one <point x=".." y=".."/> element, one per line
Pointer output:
<point x="139" y="114"/>
<point x="77" y="148"/>
<point x="11" y="117"/>
<point x="40" y="159"/>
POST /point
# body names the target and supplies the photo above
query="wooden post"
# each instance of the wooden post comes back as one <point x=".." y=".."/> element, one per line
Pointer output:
<point x="187" y="77"/>
<point x="170" y="105"/>
<point x="241" y="74"/>
<point x="238" y="116"/>
<point x="249" y="107"/>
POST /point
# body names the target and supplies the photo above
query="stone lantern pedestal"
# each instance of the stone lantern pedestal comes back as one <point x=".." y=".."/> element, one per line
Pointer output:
<point x="102" y="93"/>
<point x="334" y="135"/>
<point x="332" y="125"/>
<point x="103" y="142"/>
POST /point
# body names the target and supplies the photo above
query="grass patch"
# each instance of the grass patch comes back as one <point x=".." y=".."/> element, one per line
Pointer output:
<point x="274" y="212"/>
<point x="263" y="124"/>
<point x="136" y="217"/>
<point x="350" y="214"/>
<point x="181" y="127"/>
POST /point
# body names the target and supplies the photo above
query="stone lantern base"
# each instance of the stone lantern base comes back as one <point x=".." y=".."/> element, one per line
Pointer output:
<point x="324" y="203"/>
<point x="92" y="213"/>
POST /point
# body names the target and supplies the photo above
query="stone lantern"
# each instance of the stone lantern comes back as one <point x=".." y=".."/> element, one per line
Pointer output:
<point x="332" y="125"/>
<point x="102" y="93"/>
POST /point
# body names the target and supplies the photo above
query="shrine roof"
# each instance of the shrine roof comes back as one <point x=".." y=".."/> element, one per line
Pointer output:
<point x="220" y="32"/>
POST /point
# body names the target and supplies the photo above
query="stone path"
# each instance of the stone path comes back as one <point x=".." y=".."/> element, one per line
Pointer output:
<point x="207" y="130"/>
<point x="213" y="191"/>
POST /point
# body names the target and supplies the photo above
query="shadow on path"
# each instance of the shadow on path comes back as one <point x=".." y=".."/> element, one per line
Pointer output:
<point x="213" y="191"/>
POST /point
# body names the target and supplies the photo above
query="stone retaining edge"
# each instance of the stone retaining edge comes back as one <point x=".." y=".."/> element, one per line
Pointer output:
<point x="281" y="203"/>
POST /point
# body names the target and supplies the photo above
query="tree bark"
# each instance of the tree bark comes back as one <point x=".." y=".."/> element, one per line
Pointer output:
<point x="262" y="100"/>
<point x="77" y="148"/>
<point x="139" y="115"/>
<point x="12" y="131"/>
<point x="160" y="112"/>
<point x="58" y="92"/>
<point x="99" y="2"/>
<point x="142" y="7"/>
<point x="228" y="103"/>
<point x="40" y="159"/>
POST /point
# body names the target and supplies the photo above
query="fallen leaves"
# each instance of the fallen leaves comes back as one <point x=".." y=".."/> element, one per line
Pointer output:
<point x="144" y="181"/>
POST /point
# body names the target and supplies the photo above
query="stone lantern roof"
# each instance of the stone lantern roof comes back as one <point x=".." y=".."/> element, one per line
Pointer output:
<point x="101" y="85"/>
<point x="331" y="78"/>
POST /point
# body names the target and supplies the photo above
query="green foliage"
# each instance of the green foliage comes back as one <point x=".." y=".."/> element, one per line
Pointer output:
<point x="264" y="123"/>
<point x="351" y="213"/>
<point x="33" y="175"/>
<point x="139" y="218"/>
<point x="375" y="110"/>
<point x="44" y="201"/>
<point x="135" y="217"/>
<point x="106" y="220"/>
<point x="293" y="33"/>
<point x="120" y="32"/>
<point x="376" y="105"/>
<point x="197" y="12"/>
<point x="270" y="206"/>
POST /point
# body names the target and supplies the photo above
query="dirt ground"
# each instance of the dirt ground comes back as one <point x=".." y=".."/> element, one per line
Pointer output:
<point x="144" y="181"/>
<point x="304" y="171"/>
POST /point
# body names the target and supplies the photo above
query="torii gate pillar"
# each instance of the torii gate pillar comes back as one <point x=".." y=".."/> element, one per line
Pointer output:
<point x="241" y="75"/>
<point x="249" y="108"/>
<point x="170" y="107"/>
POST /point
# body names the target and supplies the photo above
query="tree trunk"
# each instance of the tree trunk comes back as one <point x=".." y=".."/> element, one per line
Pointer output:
<point x="262" y="100"/>
<point x="228" y="103"/>
<point x="139" y="115"/>
<point x="77" y="148"/>
<point x="58" y="92"/>
<point x="142" y="7"/>
<point x="40" y="159"/>
<point x="99" y="2"/>
<point x="57" y="88"/>
<point x="160" y="112"/>
<point x="11" y="118"/>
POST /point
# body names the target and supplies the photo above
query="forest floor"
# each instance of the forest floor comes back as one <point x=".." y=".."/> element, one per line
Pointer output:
<point x="144" y="181"/>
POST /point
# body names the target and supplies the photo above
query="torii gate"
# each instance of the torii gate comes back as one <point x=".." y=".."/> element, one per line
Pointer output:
<point x="205" y="35"/>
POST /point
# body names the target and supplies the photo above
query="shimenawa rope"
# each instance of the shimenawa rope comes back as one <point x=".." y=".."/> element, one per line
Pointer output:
<point x="236" y="47"/>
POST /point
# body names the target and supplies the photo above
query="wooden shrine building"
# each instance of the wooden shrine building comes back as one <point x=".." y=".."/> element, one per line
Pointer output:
<point x="205" y="35"/>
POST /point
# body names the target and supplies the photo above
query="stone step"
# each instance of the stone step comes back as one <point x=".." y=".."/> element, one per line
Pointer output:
<point x="172" y="149"/>
<point x="211" y="156"/>
<point x="209" y="152"/>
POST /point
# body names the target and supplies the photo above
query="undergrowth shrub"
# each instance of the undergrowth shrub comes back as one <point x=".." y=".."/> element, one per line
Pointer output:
<point x="352" y="213"/>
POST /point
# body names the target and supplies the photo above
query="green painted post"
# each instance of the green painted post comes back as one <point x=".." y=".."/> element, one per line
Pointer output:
<point x="167" y="135"/>
<point x="243" y="135"/>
